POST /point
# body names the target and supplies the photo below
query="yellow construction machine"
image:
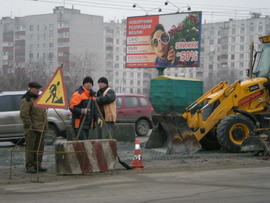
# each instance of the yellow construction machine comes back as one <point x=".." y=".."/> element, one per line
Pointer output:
<point x="235" y="117"/>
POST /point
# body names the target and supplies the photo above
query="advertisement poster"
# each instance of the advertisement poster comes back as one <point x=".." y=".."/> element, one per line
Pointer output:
<point x="171" y="40"/>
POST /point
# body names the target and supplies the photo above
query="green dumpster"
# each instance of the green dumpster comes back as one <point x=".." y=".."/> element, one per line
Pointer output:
<point x="173" y="94"/>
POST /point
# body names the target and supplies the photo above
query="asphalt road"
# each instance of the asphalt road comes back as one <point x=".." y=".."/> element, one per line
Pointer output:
<point x="226" y="185"/>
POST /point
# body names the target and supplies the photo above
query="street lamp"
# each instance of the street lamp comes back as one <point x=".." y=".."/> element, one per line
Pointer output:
<point x="146" y="11"/>
<point x="178" y="9"/>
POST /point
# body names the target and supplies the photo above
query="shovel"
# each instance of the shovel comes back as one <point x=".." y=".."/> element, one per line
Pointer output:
<point x="110" y="136"/>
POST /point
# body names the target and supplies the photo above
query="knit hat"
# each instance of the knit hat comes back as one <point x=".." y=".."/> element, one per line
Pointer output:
<point x="88" y="79"/>
<point x="103" y="80"/>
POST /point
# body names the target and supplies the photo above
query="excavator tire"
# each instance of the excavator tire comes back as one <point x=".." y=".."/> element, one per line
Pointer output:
<point x="210" y="142"/>
<point x="233" y="130"/>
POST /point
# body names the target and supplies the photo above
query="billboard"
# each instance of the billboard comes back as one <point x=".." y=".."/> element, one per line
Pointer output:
<point x="171" y="40"/>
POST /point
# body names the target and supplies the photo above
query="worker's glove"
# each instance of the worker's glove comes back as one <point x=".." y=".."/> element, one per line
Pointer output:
<point x="85" y="111"/>
<point x="99" y="122"/>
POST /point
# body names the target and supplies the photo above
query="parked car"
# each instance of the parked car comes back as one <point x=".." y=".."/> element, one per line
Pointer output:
<point x="135" y="108"/>
<point x="11" y="127"/>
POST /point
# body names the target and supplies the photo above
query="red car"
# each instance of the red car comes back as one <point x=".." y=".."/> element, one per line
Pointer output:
<point x="135" y="108"/>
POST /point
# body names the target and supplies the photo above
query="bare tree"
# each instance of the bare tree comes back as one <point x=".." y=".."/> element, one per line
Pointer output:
<point x="14" y="81"/>
<point x="80" y="66"/>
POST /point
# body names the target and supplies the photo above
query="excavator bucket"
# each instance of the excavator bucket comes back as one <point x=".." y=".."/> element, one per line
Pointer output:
<point x="252" y="144"/>
<point x="173" y="132"/>
<point x="257" y="145"/>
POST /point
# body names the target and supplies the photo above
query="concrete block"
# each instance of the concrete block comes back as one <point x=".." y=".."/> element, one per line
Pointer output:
<point x="85" y="156"/>
<point x="124" y="132"/>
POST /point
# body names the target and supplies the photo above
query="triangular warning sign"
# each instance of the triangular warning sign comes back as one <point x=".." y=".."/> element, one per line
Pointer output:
<point x="54" y="94"/>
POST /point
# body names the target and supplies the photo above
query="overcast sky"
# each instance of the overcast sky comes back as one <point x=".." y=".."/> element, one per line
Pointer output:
<point x="212" y="10"/>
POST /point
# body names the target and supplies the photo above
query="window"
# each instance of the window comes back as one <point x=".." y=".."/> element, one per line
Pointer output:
<point x="242" y="30"/>
<point x="51" y="55"/>
<point x="119" y="102"/>
<point x="241" y="47"/>
<point x="109" y="39"/>
<point x="241" y="57"/>
<point x="143" y="101"/>
<point x="241" y="64"/>
<point x="131" y="102"/>
<point x="199" y="74"/>
<point x="10" y="103"/>
<point x="232" y="57"/>
<point x="116" y="65"/>
<point x="242" y="39"/>
<point x="109" y="48"/>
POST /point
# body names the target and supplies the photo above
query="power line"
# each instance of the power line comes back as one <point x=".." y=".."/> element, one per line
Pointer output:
<point x="125" y="5"/>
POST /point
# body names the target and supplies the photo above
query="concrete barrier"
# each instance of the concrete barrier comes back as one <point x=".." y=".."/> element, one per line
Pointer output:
<point x="85" y="156"/>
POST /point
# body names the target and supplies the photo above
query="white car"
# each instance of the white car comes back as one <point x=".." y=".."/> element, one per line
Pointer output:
<point x="11" y="127"/>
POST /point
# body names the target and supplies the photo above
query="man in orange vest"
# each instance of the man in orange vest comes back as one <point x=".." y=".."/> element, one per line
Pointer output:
<point x="106" y="101"/>
<point x="78" y="107"/>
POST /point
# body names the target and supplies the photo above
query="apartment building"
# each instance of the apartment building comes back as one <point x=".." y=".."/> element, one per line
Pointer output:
<point x="225" y="48"/>
<point x="65" y="36"/>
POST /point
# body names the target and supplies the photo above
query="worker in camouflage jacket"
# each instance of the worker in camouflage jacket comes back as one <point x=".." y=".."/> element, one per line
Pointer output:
<point x="34" y="123"/>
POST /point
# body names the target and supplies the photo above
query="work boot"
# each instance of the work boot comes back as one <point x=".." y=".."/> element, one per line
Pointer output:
<point x="31" y="170"/>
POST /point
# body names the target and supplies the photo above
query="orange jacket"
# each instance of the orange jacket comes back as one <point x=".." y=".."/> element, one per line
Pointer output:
<point x="79" y="100"/>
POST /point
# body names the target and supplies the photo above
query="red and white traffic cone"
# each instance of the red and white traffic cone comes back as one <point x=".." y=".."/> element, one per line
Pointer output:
<point x="137" y="162"/>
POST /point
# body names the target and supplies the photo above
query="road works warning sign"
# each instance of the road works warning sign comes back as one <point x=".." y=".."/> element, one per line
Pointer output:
<point x="54" y="94"/>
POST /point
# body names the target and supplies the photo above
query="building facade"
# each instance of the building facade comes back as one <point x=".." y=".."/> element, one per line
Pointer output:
<point x="225" y="48"/>
<point x="47" y="41"/>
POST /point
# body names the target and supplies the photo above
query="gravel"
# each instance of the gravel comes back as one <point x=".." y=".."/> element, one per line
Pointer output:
<point x="153" y="160"/>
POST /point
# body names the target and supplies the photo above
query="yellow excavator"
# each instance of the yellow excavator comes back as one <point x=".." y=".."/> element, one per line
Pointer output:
<point x="235" y="117"/>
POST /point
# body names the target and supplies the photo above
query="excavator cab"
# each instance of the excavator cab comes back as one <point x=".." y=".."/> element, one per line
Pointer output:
<point x="224" y="116"/>
<point x="262" y="60"/>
